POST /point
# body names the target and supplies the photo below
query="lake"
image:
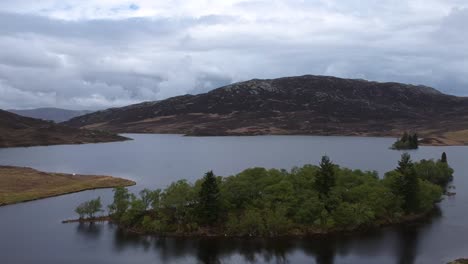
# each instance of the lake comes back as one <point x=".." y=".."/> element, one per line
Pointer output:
<point x="32" y="232"/>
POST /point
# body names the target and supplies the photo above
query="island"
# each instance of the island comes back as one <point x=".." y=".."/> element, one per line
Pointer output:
<point x="407" y="141"/>
<point x="459" y="261"/>
<point x="19" y="184"/>
<point x="259" y="202"/>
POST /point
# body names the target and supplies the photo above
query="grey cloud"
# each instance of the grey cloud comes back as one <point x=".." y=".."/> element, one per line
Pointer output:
<point x="93" y="64"/>
<point x="100" y="29"/>
<point x="453" y="29"/>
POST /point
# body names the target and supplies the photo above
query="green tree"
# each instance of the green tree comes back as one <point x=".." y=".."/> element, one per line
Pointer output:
<point x="121" y="202"/>
<point x="178" y="201"/>
<point x="409" y="184"/>
<point x="81" y="210"/>
<point x="209" y="200"/>
<point x="150" y="198"/>
<point x="407" y="141"/>
<point x="405" y="137"/>
<point x="135" y="212"/>
<point x="443" y="158"/>
<point x="413" y="141"/>
<point x="156" y="199"/>
<point x="325" y="178"/>
<point x="89" y="208"/>
<point x="94" y="206"/>
<point x="404" y="163"/>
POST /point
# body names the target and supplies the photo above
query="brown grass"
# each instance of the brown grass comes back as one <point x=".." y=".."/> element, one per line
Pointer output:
<point x="460" y="136"/>
<point x="19" y="184"/>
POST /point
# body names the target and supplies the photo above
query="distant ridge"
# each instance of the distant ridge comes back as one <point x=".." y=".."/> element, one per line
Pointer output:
<point x="20" y="131"/>
<point x="311" y="105"/>
<point x="49" y="113"/>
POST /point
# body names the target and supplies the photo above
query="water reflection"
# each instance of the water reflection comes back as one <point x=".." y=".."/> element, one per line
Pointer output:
<point x="324" y="249"/>
<point x="154" y="161"/>
<point x="410" y="235"/>
<point x="89" y="230"/>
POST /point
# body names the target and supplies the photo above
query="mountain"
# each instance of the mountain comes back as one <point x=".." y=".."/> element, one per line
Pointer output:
<point x="16" y="131"/>
<point x="53" y="114"/>
<point x="312" y="105"/>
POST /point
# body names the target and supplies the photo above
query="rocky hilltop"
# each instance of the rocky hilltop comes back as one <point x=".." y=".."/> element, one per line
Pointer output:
<point x="312" y="105"/>
<point x="16" y="131"/>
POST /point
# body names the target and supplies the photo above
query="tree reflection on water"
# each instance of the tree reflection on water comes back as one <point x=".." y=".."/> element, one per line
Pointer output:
<point x="399" y="244"/>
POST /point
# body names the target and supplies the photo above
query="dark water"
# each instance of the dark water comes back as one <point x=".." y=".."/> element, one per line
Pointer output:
<point x="32" y="233"/>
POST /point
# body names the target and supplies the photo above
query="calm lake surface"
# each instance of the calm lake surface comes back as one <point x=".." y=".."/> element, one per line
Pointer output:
<point x="32" y="232"/>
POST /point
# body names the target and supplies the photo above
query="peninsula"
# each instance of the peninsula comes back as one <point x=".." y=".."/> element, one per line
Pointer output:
<point x="18" y="184"/>
<point x="20" y="131"/>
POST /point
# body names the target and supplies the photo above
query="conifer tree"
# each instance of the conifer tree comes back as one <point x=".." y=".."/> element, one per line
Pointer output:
<point x="414" y="141"/>
<point x="409" y="188"/>
<point x="325" y="178"/>
<point x="405" y="137"/>
<point x="404" y="163"/>
<point x="443" y="158"/>
<point x="209" y="199"/>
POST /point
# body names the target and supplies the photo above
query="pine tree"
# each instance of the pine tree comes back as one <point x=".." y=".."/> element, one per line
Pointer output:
<point x="414" y="141"/>
<point x="325" y="179"/>
<point x="209" y="200"/>
<point x="405" y="137"/>
<point x="443" y="158"/>
<point x="404" y="163"/>
<point x="410" y="184"/>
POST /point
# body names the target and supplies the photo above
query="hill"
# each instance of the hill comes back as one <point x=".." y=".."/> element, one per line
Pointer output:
<point x="312" y="105"/>
<point x="53" y="114"/>
<point x="16" y="131"/>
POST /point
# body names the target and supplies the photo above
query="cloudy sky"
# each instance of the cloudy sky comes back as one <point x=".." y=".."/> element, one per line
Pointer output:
<point x="93" y="54"/>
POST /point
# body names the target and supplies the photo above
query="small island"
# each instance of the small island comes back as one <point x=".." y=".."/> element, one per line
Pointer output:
<point x="407" y="141"/>
<point x="18" y="184"/>
<point x="459" y="261"/>
<point x="261" y="202"/>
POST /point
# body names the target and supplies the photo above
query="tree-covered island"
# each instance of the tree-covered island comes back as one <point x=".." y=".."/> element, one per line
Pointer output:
<point x="407" y="141"/>
<point x="269" y="202"/>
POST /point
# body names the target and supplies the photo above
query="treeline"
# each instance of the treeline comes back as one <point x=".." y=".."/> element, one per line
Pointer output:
<point x="305" y="200"/>
<point x="407" y="141"/>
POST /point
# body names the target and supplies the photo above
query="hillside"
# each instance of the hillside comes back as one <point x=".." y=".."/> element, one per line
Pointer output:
<point x="53" y="114"/>
<point x="18" y="131"/>
<point x="313" y="105"/>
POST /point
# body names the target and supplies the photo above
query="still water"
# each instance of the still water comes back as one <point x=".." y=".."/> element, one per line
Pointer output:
<point x="32" y="232"/>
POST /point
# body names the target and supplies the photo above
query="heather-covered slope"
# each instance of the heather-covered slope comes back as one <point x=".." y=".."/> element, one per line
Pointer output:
<point x="316" y="105"/>
<point x="17" y="131"/>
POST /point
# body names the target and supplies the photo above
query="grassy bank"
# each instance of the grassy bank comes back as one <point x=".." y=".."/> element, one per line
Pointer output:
<point x="18" y="184"/>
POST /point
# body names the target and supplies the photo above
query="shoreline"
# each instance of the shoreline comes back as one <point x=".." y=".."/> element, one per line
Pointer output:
<point x="433" y="141"/>
<point x="409" y="219"/>
<point x="23" y="184"/>
<point x="123" y="139"/>
<point x="459" y="261"/>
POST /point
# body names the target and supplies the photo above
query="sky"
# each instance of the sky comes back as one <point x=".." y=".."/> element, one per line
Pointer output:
<point x="95" y="54"/>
